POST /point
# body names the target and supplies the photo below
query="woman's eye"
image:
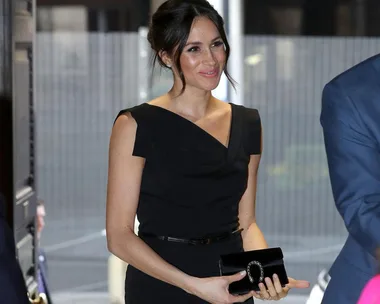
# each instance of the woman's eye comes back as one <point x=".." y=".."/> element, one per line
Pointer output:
<point x="193" y="49"/>
<point x="218" y="43"/>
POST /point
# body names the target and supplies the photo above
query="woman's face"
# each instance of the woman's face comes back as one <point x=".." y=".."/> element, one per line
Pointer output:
<point x="204" y="56"/>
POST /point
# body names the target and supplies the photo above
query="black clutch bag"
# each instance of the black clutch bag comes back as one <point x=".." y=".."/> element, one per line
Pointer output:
<point x="259" y="264"/>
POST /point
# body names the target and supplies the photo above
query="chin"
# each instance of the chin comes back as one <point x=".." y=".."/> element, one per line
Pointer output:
<point x="203" y="84"/>
<point x="206" y="87"/>
<point x="210" y="86"/>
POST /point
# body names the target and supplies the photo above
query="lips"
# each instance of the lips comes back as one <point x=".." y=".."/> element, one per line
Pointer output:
<point x="210" y="73"/>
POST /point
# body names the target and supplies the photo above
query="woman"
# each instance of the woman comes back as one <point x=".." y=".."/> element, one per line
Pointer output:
<point x="183" y="164"/>
<point x="371" y="292"/>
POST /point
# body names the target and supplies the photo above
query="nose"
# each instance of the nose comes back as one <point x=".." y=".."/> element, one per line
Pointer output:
<point x="209" y="57"/>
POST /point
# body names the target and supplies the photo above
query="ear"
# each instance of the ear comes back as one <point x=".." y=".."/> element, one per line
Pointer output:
<point x="165" y="58"/>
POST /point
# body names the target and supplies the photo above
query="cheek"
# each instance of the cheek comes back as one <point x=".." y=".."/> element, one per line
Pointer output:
<point x="220" y="55"/>
<point x="189" y="62"/>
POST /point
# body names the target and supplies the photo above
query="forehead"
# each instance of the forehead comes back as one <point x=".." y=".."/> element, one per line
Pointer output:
<point x="203" y="29"/>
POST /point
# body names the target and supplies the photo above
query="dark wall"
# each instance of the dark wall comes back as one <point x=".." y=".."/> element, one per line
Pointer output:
<point x="119" y="16"/>
<point x="313" y="17"/>
<point x="17" y="138"/>
<point x="6" y="151"/>
<point x="5" y="46"/>
<point x="88" y="3"/>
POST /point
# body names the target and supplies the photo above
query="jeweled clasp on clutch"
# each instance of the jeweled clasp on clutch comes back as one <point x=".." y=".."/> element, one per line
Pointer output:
<point x="257" y="264"/>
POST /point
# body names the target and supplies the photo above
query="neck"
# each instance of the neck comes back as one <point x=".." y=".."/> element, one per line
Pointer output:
<point x="192" y="101"/>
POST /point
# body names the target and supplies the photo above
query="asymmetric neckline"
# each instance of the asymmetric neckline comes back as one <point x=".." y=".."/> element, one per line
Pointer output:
<point x="194" y="125"/>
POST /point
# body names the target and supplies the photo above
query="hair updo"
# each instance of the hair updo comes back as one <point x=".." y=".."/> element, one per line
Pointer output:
<point x="170" y="28"/>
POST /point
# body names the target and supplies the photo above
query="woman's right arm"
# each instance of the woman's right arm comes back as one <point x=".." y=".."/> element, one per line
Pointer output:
<point x="123" y="190"/>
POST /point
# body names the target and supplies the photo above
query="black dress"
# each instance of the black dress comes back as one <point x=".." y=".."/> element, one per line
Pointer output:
<point x="191" y="188"/>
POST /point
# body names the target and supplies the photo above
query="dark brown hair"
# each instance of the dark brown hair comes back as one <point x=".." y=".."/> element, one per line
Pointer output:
<point x="170" y="28"/>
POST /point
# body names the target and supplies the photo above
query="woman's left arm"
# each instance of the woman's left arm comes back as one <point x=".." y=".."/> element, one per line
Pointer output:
<point x="252" y="236"/>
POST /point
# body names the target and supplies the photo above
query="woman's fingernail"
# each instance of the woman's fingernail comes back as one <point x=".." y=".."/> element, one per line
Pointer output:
<point x="242" y="272"/>
<point x="275" y="276"/>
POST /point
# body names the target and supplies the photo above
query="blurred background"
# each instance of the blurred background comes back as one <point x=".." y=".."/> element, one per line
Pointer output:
<point x="92" y="60"/>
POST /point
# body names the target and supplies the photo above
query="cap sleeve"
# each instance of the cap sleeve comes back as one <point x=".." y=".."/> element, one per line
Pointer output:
<point x="253" y="144"/>
<point x="141" y="147"/>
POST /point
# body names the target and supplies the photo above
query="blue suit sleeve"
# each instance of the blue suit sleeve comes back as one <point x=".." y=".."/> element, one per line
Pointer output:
<point x="354" y="164"/>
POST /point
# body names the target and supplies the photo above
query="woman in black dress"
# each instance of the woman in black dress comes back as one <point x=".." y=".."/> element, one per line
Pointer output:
<point x="186" y="164"/>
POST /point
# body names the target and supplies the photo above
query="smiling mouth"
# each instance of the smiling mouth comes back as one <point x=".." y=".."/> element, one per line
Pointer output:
<point x="212" y="73"/>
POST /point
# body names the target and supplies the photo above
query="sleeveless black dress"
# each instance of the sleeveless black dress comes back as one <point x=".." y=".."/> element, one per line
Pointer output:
<point x="191" y="188"/>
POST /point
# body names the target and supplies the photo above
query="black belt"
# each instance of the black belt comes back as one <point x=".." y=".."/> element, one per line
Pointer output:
<point x="193" y="241"/>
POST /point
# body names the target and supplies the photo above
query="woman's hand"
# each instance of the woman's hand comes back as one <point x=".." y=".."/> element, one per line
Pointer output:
<point x="275" y="291"/>
<point x="215" y="289"/>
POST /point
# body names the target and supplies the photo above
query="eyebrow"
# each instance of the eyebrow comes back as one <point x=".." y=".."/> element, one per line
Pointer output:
<point x="198" y="42"/>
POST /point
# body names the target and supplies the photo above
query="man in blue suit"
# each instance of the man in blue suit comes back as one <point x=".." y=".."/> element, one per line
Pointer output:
<point x="350" y="119"/>
<point x="12" y="284"/>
